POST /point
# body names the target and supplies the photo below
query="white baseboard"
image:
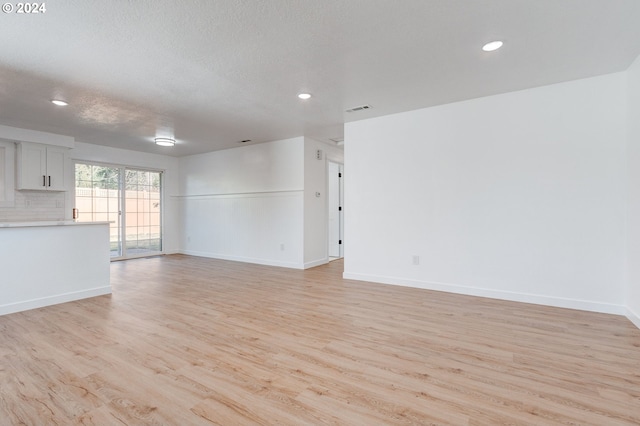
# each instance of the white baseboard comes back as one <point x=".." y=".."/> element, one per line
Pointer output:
<point x="559" y="302"/>
<point x="53" y="300"/>
<point x="268" y="262"/>
<point x="633" y="317"/>
<point x="315" y="263"/>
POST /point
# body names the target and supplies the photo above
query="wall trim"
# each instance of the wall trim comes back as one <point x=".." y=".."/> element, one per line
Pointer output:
<point x="268" y="262"/>
<point x="53" y="300"/>
<point x="558" y="302"/>
<point x="633" y="317"/>
<point x="247" y="194"/>
<point x="315" y="263"/>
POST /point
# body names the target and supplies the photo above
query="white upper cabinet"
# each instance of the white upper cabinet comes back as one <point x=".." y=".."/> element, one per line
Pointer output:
<point x="7" y="149"/>
<point x="41" y="167"/>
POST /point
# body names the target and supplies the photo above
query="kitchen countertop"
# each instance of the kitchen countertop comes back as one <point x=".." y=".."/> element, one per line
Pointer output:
<point x="27" y="224"/>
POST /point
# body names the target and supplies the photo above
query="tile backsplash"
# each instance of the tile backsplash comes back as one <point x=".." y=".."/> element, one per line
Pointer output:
<point x="35" y="205"/>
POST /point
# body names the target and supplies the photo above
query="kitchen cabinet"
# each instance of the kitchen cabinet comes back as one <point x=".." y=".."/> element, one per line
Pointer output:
<point x="7" y="155"/>
<point x="41" y="167"/>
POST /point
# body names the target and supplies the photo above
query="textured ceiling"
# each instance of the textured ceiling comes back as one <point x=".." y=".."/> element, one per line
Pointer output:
<point x="212" y="73"/>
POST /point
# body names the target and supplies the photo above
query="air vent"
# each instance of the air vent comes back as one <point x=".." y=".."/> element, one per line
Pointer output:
<point x="359" y="108"/>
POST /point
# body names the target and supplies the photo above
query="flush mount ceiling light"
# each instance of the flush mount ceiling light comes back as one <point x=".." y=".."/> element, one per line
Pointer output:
<point x="493" y="45"/>
<point x="165" y="141"/>
<point x="59" y="102"/>
<point x="304" y="95"/>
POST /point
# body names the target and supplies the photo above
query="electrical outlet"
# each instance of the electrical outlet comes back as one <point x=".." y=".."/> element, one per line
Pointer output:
<point x="416" y="259"/>
<point x="281" y="247"/>
<point x="27" y="203"/>
<point x="189" y="239"/>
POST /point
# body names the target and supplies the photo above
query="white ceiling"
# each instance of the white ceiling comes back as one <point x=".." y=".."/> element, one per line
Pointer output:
<point x="214" y="72"/>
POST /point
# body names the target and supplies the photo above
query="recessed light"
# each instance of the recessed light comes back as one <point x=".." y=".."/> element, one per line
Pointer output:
<point x="304" y="95"/>
<point x="491" y="46"/>
<point x="165" y="141"/>
<point x="59" y="102"/>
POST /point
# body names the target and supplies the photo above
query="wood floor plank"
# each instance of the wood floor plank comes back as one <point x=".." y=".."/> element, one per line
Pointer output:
<point x="188" y="340"/>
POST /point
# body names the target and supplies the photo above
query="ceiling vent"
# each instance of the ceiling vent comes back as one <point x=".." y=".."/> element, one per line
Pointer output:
<point x="359" y="108"/>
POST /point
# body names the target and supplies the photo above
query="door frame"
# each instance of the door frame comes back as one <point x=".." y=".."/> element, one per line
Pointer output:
<point x="340" y="190"/>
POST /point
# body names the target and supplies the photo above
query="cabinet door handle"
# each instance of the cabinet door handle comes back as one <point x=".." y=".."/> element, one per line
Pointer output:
<point x="49" y="180"/>
<point x="44" y="180"/>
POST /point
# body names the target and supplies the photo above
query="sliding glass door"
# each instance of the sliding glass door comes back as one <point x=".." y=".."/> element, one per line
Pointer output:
<point x="130" y="199"/>
<point x="142" y="212"/>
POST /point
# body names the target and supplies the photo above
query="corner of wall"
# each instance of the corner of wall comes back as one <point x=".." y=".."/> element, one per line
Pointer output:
<point x="633" y="317"/>
<point x="633" y="196"/>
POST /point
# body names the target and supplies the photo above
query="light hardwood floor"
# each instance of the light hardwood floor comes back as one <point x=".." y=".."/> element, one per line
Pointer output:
<point x="189" y="341"/>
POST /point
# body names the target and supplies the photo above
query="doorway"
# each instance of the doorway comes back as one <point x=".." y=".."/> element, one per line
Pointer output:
<point x="128" y="198"/>
<point x="335" y="196"/>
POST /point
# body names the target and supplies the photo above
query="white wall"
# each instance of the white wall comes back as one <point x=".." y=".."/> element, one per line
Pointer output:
<point x="169" y="166"/>
<point x="316" y="250"/>
<point x="28" y="135"/>
<point x="633" y="294"/>
<point x="519" y="196"/>
<point x="245" y="203"/>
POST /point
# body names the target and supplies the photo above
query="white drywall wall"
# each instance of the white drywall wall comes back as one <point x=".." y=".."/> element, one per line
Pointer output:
<point x="518" y="196"/>
<point x="633" y="218"/>
<point x="246" y="203"/>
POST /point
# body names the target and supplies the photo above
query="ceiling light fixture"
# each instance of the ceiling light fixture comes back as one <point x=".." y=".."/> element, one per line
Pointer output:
<point x="165" y="141"/>
<point x="493" y="45"/>
<point x="59" y="102"/>
<point x="304" y="96"/>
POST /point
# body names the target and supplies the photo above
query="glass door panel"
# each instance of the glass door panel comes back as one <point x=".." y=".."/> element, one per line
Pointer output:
<point x="98" y="199"/>
<point x="142" y="213"/>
